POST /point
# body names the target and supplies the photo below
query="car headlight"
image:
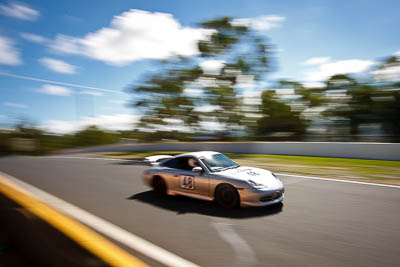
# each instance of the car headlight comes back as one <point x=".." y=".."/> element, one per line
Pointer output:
<point x="256" y="185"/>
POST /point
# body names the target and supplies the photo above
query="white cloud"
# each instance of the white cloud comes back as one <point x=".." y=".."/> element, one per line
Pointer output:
<point x="173" y="121"/>
<point x="204" y="82"/>
<point x="135" y="35"/>
<point x="397" y="53"/>
<point x="67" y="44"/>
<point x="212" y="125"/>
<point x="252" y="97"/>
<point x="19" y="11"/>
<point x="112" y="122"/>
<point x="388" y="74"/>
<point x="193" y="91"/>
<point x="313" y="84"/>
<point x="14" y="105"/>
<point x="316" y="60"/>
<point x="33" y="37"/>
<point x="60" y="127"/>
<point x="260" y="23"/>
<point x="108" y="122"/>
<point x="212" y="66"/>
<point x="325" y="71"/>
<point x="245" y="81"/>
<point x="54" y="90"/>
<point x="172" y="127"/>
<point x="89" y="92"/>
<point x="57" y="65"/>
<point x="8" y="54"/>
<point x="206" y="108"/>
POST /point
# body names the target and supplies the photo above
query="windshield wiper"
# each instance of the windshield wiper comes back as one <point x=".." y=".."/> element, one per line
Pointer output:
<point x="218" y="170"/>
<point x="230" y="167"/>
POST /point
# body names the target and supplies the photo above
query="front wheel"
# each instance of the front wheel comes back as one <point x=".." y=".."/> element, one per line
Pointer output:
<point x="227" y="196"/>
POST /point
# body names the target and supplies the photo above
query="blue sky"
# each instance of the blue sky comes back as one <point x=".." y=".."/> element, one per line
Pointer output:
<point x="69" y="42"/>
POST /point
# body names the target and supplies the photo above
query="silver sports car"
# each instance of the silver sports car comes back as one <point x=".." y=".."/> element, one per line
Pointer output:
<point x="213" y="176"/>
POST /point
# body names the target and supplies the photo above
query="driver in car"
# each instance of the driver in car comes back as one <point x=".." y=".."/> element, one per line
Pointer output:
<point x="192" y="163"/>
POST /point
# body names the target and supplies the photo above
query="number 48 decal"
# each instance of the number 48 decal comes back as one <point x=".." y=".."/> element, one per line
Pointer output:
<point x="187" y="182"/>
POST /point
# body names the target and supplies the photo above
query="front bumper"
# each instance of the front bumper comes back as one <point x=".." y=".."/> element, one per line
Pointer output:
<point x="260" y="198"/>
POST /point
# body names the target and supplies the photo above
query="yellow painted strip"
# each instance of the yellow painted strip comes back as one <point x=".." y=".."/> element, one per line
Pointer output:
<point x="93" y="242"/>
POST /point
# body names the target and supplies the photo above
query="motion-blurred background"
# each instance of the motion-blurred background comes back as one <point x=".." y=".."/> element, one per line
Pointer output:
<point x="88" y="73"/>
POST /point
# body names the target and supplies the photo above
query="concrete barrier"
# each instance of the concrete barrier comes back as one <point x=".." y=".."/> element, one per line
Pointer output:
<point x="380" y="151"/>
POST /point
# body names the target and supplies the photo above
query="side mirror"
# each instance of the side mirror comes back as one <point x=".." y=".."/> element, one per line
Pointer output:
<point x="197" y="169"/>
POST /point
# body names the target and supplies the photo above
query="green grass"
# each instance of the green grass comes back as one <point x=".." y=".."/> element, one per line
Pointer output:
<point x="317" y="161"/>
<point x="378" y="171"/>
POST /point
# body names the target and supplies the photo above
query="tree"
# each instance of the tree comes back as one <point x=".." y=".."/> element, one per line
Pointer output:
<point x="164" y="100"/>
<point x="374" y="102"/>
<point x="387" y="100"/>
<point x="278" y="117"/>
<point x="5" y="143"/>
<point x="92" y="136"/>
<point x="355" y="109"/>
<point x="312" y="97"/>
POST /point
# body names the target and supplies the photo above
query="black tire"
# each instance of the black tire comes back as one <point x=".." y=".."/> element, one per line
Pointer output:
<point x="159" y="186"/>
<point x="227" y="196"/>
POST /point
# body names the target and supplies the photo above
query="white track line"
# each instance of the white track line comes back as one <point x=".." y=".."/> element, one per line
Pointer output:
<point x="130" y="240"/>
<point x="337" y="180"/>
<point x="283" y="174"/>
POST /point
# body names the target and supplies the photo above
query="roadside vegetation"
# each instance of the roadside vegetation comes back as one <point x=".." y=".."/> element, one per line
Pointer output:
<point x="181" y="100"/>
<point x="376" y="171"/>
<point x="29" y="140"/>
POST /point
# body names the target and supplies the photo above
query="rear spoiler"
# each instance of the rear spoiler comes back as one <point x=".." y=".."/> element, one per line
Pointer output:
<point x="155" y="160"/>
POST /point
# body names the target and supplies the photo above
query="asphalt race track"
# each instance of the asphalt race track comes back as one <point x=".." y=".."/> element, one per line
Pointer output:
<point x="322" y="223"/>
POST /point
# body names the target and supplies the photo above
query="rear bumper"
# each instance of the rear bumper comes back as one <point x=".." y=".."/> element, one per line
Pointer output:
<point x="260" y="198"/>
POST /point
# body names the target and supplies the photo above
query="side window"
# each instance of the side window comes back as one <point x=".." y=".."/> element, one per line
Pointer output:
<point x="185" y="163"/>
<point x="171" y="163"/>
<point x="182" y="163"/>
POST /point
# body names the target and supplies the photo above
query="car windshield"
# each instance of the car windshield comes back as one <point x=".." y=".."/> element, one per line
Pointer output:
<point x="218" y="162"/>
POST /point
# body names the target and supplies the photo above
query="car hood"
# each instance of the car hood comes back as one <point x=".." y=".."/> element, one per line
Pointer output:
<point x="257" y="175"/>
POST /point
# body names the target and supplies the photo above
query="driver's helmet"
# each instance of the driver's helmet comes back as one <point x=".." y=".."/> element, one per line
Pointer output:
<point x="192" y="162"/>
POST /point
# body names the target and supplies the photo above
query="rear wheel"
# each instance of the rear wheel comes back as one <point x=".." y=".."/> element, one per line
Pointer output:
<point x="227" y="196"/>
<point x="159" y="186"/>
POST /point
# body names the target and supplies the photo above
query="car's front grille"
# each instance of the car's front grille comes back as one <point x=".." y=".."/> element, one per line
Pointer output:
<point x="271" y="197"/>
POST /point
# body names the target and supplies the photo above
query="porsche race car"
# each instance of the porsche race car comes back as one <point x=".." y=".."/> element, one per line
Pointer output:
<point x="212" y="176"/>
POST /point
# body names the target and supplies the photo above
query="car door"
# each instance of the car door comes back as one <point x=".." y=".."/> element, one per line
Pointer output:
<point x="172" y="173"/>
<point x="191" y="182"/>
